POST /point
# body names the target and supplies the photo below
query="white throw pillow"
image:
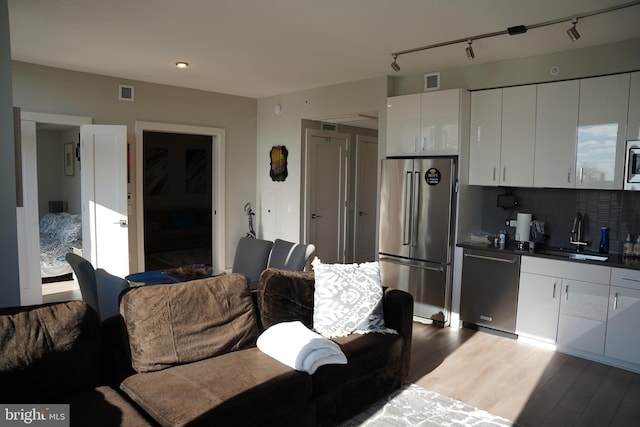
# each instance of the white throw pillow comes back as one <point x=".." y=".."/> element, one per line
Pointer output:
<point x="347" y="299"/>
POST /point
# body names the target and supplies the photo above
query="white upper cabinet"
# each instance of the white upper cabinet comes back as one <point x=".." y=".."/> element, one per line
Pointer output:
<point x="602" y="131"/>
<point x="502" y="136"/>
<point x="403" y="125"/>
<point x="485" y="137"/>
<point x="556" y="134"/>
<point x="426" y="124"/>
<point x="633" y="129"/>
<point x="518" y="136"/>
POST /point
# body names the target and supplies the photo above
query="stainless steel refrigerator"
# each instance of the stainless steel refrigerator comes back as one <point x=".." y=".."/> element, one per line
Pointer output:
<point x="417" y="211"/>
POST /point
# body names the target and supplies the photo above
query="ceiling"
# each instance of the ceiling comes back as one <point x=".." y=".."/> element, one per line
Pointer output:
<point x="260" y="48"/>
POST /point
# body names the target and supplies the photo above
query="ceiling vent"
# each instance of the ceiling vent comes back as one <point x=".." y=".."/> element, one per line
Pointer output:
<point x="125" y="93"/>
<point x="329" y="126"/>
<point x="431" y="81"/>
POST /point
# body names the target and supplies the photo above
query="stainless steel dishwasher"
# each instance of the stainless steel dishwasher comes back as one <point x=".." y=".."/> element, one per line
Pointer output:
<point x="489" y="295"/>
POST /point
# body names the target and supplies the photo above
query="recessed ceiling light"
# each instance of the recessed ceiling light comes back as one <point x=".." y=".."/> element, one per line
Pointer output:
<point x="182" y="65"/>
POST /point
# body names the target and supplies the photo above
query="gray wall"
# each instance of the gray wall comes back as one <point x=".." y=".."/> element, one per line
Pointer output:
<point x="51" y="90"/>
<point x="9" y="286"/>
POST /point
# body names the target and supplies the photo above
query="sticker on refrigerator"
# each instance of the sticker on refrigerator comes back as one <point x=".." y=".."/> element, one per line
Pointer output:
<point x="432" y="176"/>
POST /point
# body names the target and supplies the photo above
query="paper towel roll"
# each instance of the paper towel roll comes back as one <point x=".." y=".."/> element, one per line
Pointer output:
<point x="523" y="225"/>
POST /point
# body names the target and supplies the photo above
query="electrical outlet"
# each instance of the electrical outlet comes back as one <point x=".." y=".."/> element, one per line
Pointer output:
<point x="512" y="223"/>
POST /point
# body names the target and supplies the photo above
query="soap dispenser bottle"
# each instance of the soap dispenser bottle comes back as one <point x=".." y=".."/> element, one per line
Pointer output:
<point x="636" y="248"/>
<point x="604" y="240"/>
<point x="627" y="249"/>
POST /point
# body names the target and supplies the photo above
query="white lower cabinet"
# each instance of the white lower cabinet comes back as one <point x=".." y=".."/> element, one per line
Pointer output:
<point x="583" y="315"/>
<point x="623" y="321"/>
<point x="538" y="306"/>
<point x="563" y="302"/>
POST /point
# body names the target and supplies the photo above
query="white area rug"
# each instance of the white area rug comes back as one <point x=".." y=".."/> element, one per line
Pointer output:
<point x="415" y="406"/>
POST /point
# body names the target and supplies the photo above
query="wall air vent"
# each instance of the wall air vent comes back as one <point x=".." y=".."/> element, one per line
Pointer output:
<point x="431" y="81"/>
<point x="329" y="126"/>
<point x="125" y="93"/>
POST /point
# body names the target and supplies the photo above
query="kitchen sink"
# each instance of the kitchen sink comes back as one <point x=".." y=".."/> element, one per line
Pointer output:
<point x="572" y="254"/>
<point x="589" y="257"/>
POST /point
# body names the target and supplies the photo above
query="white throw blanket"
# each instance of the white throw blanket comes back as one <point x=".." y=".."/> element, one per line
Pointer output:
<point x="296" y="346"/>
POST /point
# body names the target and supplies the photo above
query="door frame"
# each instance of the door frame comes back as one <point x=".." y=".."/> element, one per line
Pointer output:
<point x="309" y="134"/>
<point x="361" y="140"/>
<point x="218" y="206"/>
<point x="27" y="223"/>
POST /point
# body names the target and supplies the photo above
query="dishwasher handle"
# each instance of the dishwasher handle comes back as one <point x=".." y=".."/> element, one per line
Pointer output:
<point x="512" y="260"/>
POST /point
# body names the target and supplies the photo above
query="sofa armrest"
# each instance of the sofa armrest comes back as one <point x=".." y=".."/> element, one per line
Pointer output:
<point x="398" y="315"/>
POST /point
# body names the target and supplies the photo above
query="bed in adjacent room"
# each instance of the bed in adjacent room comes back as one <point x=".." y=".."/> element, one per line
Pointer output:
<point x="60" y="233"/>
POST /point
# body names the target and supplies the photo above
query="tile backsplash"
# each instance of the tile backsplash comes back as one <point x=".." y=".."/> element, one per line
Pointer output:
<point x="618" y="210"/>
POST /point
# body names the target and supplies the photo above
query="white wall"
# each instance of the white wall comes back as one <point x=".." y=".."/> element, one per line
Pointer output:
<point x="10" y="285"/>
<point x="284" y="199"/>
<point x="56" y="91"/>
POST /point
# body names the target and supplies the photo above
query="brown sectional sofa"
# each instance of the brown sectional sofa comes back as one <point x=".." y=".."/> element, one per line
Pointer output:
<point x="186" y="354"/>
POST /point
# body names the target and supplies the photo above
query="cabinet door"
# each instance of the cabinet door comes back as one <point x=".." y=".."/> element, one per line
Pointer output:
<point x="623" y="333"/>
<point x="602" y="131"/>
<point x="403" y="125"/>
<point x="485" y="137"/>
<point x="518" y="136"/>
<point x="633" y="130"/>
<point x="583" y="315"/>
<point x="556" y="134"/>
<point x="538" y="306"/>
<point x="439" y="122"/>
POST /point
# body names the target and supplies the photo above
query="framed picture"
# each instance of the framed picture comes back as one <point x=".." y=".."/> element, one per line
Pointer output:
<point x="69" y="159"/>
<point x="278" y="156"/>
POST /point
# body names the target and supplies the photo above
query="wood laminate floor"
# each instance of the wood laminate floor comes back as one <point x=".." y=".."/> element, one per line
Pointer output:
<point x="522" y="382"/>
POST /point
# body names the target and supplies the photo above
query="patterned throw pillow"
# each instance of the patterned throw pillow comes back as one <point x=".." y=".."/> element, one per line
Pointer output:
<point x="347" y="299"/>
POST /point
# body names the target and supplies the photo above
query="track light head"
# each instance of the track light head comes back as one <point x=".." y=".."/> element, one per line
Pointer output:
<point x="573" y="31"/>
<point x="470" y="53"/>
<point x="394" y="64"/>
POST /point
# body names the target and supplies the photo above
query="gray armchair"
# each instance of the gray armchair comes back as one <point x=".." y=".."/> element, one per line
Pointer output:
<point x="251" y="259"/>
<point x="290" y="256"/>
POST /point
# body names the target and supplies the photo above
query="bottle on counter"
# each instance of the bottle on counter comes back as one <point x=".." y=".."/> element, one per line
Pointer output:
<point x="627" y="248"/>
<point x="604" y="240"/>
<point x="636" y="248"/>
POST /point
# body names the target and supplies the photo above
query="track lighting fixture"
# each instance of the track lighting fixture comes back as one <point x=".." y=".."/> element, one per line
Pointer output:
<point x="469" y="50"/>
<point x="394" y="64"/>
<point x="573" y="31"/>
<point x="515" y="30"/>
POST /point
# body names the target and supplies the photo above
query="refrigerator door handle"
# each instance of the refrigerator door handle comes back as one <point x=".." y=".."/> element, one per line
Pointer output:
<point x="438" y="267"/>
<point x="416" y="209"/>
<point x="407" y="209"/>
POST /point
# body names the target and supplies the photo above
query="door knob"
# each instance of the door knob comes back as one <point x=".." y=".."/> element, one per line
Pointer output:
<point x="314" y="216"/>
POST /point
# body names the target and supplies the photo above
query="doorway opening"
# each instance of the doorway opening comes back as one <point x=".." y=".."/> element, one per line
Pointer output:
<point x="340" y="190"/>
<point x="177" y="184"/>
<point x="180" y="196"/>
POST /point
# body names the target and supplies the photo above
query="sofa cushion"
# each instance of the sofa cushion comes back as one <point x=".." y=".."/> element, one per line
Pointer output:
<point x="180" y="323"/>
<point x="367" y="355"/>
<point x="48" y="351"/>
<point x="103" y="406"/>
<point x="347" y="299"/>
<point x="243" y="388"/>
<point x="285" y="296"/>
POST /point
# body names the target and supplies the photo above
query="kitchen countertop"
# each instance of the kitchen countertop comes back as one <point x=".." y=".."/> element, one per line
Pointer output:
<point x="561" y="254"/>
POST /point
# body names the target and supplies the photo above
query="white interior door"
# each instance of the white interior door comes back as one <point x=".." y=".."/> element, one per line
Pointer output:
<point x="327" y="194"/>
<point x="104" y="197"/>
<point x="366" y="199"/>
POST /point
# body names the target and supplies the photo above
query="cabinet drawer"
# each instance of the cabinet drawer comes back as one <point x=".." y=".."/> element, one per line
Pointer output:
<point x="625" y="278"/>
<point x="566" y="269"/>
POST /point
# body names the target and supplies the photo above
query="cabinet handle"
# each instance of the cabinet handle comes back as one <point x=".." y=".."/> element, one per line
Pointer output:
<point x="424" y="142"/>
<point x="504" y="173"/>
<point x="581" y="174"/>
<point x="566" y="291"/>
<point x="554" y="290"/>
<point x="490" y="258"/>
<point x="494" y="173"/>
<point x="415" y="144"/>
<point x="615" y="301"/>
<point x="569" y="176"/>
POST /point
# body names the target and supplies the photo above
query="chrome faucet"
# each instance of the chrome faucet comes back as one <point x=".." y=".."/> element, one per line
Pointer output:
<point x="577" y="232"/>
